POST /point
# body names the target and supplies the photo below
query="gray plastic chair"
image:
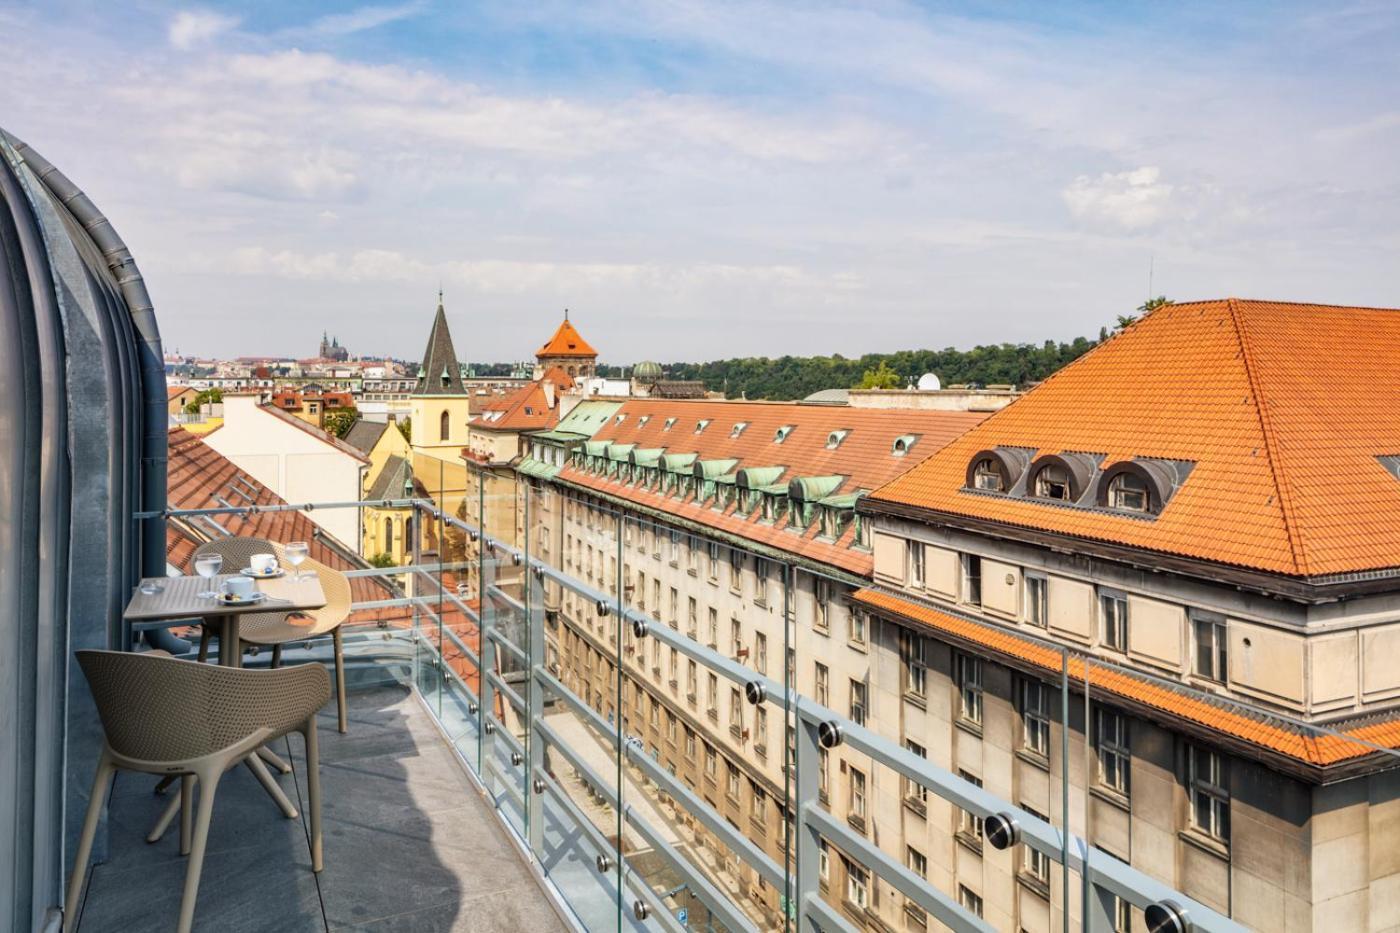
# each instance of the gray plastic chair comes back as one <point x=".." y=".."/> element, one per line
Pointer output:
<point x="165" y="716"/>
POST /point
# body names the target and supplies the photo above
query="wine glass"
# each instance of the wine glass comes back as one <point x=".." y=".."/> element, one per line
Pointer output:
<point x="208" y="566"/>
<point x="296" y="552"/>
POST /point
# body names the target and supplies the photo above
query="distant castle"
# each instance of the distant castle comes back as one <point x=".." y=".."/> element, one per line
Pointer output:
<point x="332" y="350"/>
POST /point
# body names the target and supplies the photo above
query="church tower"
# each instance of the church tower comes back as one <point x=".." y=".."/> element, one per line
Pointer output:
<point x="567" y="350"/>
<point x="439" y="403"/>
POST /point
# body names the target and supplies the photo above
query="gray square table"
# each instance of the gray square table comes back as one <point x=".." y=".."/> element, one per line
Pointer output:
<point x="181" y="600"/>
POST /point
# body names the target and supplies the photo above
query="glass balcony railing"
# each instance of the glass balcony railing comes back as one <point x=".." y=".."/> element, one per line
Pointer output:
<point x="684" y="734"/>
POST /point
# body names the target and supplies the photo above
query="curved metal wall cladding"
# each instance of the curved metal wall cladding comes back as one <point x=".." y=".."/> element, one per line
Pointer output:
<point x="82" y="447"/>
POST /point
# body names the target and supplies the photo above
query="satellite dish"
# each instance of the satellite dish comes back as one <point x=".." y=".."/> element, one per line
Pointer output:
<point x="928" y="382"/>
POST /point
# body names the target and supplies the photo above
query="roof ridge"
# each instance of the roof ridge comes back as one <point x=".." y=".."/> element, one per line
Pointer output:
<point x="1281" y="489"/>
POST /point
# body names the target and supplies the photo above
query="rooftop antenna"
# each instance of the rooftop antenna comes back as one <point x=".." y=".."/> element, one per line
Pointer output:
<point x="566" y="314"/>
<point x="1151" y="268"/>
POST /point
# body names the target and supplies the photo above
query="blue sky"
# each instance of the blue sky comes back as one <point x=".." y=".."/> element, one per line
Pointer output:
<point x="697" y="180"/>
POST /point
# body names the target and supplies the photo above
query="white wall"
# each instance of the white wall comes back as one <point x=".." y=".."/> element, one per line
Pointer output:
<point x="291" y="462"/>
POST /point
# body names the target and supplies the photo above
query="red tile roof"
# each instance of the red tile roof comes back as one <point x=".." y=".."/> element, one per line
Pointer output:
<point x="865" y="457"/>
<point x="323" y="436"/>
<point x="566" y="342"/>
<point x="198" y="477"/>
<point x="1283" y="408"/>
<point x="1274" y="734"/>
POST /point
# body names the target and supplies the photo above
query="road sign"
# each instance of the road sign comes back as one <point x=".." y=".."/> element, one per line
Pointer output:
<point x="683" y="916"/>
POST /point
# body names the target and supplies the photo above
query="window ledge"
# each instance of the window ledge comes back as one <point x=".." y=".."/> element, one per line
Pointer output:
<point x="917" y="807"/>
<point x="1036" y="886"/>
<point x="1205" y="843"/>
<point x="1112" y="797"/>
<point x="856" y="822"/>
<point x="968" y="726"/>
<point x="1033" y="758"/>
<point x="913" y="699"/>
<point x="969" y="841"/>
<point x="861" y="646"/>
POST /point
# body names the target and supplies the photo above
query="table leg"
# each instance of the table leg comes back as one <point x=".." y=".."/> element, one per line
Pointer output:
<point x="230" y="651"/>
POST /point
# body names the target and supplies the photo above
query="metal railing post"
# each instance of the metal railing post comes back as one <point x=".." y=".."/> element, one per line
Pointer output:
<point x="534" y="691"/>
<point x="1064" y="785"/>
<point x="806" y="880"/>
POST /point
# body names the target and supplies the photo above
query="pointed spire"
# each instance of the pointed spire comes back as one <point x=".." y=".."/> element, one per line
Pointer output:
<point x="440" y="374"/>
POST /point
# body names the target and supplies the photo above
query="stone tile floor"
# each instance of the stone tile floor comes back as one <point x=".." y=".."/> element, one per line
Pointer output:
<point x="409" y="843"/>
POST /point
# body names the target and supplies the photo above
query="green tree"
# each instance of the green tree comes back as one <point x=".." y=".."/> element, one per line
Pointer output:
<point x="339" y="422"/>
<point x="406" y="429"/>
<point x="881" y="377"/>
<point x="205" y="397"/>
<point x="382" y="560"/>
<point x="1147" y="307"/>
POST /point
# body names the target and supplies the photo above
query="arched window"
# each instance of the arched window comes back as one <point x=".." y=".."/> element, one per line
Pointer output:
<point x="1052" y="482"/>
<point x="1128" y="491"/>
<point x="408" y="533"/>
<point x="573" y="371"/>
<point x="388" y="535"/>
<point x="987" y="475"/>
<point x="444" y="428"/>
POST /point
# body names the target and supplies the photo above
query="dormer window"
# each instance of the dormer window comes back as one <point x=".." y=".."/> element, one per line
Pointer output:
<point x="738" y="428"/>
<point x="782" y="433"/>
<point x="619" y="419"/>
<point x="1052" y="482"/>
<point x="1129" y="492"/>
<point x="903" y="444"/>
<point x="834" y="439"/>
<point x="641" y="422"/>
<point x="701" y="425"/>
<point x="668" y="423"/>
<point x="986" y="475"/>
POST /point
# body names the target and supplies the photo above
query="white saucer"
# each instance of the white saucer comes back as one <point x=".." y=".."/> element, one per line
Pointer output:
<point x="225" y="600"/>
<point x="250" y="572"/>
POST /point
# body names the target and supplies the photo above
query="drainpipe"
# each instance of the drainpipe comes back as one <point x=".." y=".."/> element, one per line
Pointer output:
<point x="155" y="438"/>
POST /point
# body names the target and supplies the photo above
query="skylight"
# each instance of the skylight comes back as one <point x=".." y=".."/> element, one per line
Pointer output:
<point x="834" y="439"/>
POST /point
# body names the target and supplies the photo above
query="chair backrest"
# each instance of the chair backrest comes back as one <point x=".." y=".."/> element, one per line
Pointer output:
<point x="160" y="709"/>
<point x="236" y="552"/>
<point x="334" y="584"/>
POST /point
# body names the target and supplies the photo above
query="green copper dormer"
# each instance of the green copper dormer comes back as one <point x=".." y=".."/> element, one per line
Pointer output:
<point x="806" y="491"/>
<point x="706" y="472"/>
<point x="751" y="481"/>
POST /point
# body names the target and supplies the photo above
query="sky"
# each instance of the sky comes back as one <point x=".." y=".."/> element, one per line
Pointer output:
<point x="698" y="180"/>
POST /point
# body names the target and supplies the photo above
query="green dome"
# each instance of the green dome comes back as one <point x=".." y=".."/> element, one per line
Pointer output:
<point x="647" y="370"/>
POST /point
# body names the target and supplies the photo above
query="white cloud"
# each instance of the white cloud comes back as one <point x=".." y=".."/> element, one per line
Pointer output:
<point x="367" y="17"/>
<point x="1132" y="200"/>
<point x="191" y="28"/>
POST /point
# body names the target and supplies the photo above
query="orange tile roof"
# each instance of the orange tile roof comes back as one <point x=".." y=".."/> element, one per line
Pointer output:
<point x="173" y="391"/>
<point x="522" y="409"/>
<point x="865" y="457"/>
<point x="324" y="437"/>
<point x="1275" y="734"/>
<point x="556" y="375"/>
<point x="566" y="342"/>
<point x="1284" y="409"/>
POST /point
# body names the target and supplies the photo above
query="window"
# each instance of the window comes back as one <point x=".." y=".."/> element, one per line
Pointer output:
<point x="444" y="427"/>
<point x="689" y="743"/>
<point x="1111" y="749"/>
<point x="692" y="617"/>
<point x="713" y="632"/>
<point x="389" y="535"/>
<point x="1210" y="802"/>
<point x="913" y="790"/>
<point x="916" y="861"/>
<point x="1210" y="648"/>
<point x="731" y="772"/>
<point x="1035" y="865"/>
<point x="972" y="579"/>
<point x="1113" y="620"/>
<point x="858" y="698"/>
<point x="1035" y="717"/>
<point x="856" y="785"/>
<point x="675" y="607"/>
<point x="736" y="638"/>
<point x="857" y="632"/>
<point x="736" y="570"/>
<point x="758" y="803"/>
<point x="972" y="902"/>
<point x="736" y="708"/>
<point x="1037" y="601"/>
<point x="821" y="594"/>
<point x="712" y="694"/>
<point x="711" y="761"/>
<point x="823" y="774"/>
<point x="1052" y="482"/>
<point x="1127" y="491"/>
<point x="760" y="729"/>
<point x="656" y="597"/>
<point x="713" y="565"/>
<point x="969" y="674"/>
<point x="1122" y="913"/>
<point x="915" y="665"/>
<point x="986" y="475"/>
<point x="857" y="885"/>
<point x="823" y="862"/>
<point x="760" y="652"/>
<point x="820" y="691"/>
<point x="690" y="681"/>
<point x="914" y="563"/>
<point x="969" y="823"/>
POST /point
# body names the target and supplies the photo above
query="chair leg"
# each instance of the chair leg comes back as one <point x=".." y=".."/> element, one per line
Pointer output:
<point x="276" y="656"/>
<point x="260" y="772"/>
<point x="80" y="863"/>
<point x="210" y="782"/>
<point x="186" y="812"/>
<point x="340" y="678"/>
<point x="313" y="784"/>
<point x="204" y="636"/>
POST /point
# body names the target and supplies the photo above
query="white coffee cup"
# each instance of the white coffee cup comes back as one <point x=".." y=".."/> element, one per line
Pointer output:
<point x="240" y="587"/>
<point x="263" y="563"/>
